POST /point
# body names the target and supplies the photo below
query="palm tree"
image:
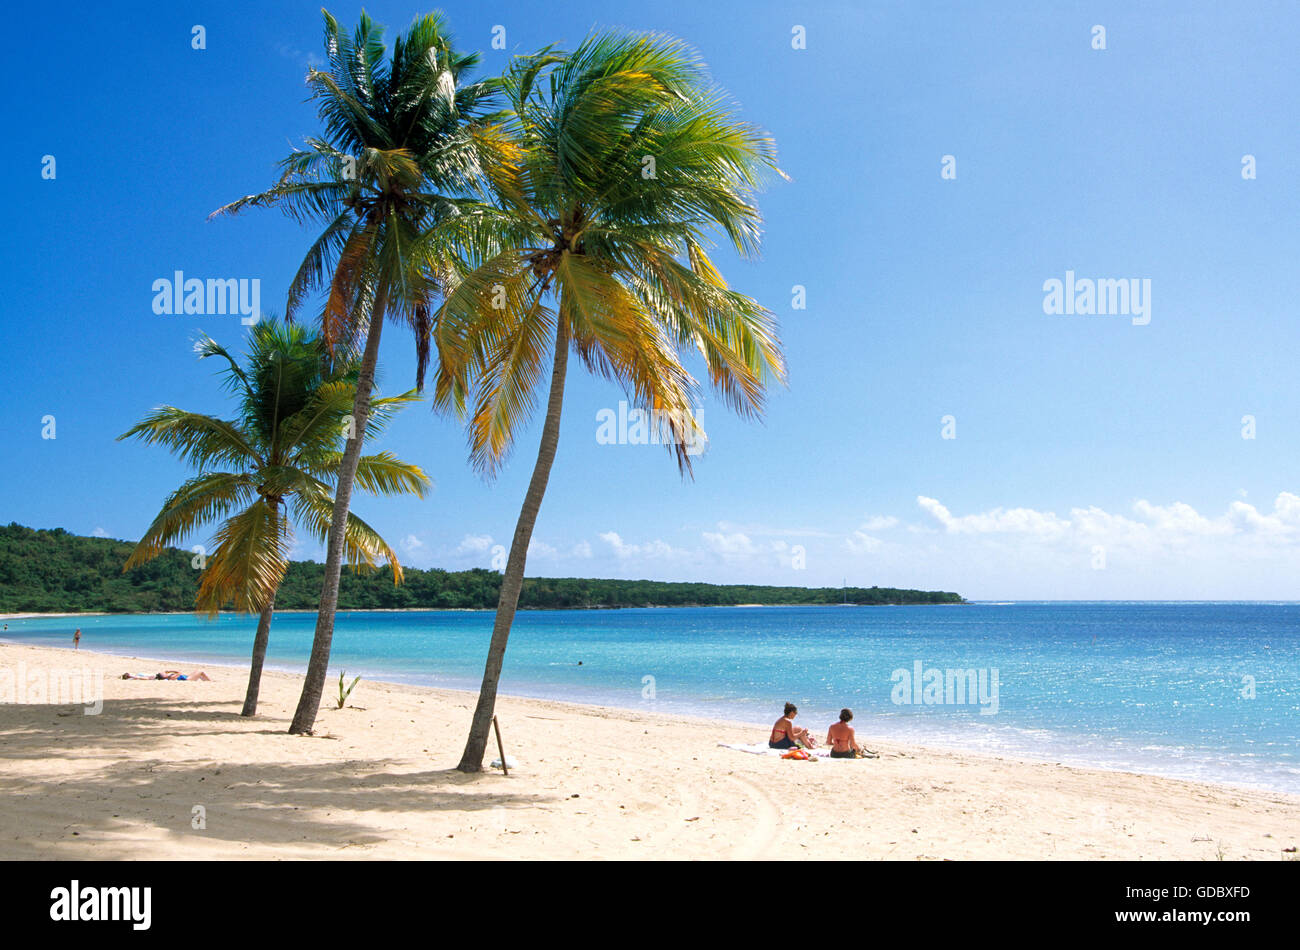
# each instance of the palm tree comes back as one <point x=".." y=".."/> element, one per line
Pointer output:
<point x="631" y="164"/>
<point x="405" y="142"/>
<point x="269" y="467"/>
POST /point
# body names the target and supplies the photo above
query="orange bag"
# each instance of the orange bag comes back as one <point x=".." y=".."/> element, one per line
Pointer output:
<point x="796" y="754"/>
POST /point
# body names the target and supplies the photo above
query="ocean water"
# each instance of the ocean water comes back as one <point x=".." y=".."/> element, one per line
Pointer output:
<point x="1205" y="691"/>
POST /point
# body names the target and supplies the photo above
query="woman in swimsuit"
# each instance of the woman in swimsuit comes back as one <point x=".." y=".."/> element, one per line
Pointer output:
<point x="786" y="735"/>
<point x="840" y="737"/>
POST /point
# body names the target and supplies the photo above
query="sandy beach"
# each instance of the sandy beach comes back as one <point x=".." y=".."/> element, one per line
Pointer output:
<point x="377" y="781"/>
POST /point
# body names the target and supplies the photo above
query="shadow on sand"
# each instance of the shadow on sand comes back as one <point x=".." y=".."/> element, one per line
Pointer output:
<point x="112" y="775"/>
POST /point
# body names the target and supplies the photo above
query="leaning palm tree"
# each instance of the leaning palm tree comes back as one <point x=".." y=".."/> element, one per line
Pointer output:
<point x="406" y="142"/>
<point x="271" y="466"/>
<point x="632" y="165"/>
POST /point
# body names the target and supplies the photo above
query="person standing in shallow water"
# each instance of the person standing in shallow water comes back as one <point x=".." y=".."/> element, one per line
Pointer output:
<point x="76" y="639"/>
<point x="841" y="739"/>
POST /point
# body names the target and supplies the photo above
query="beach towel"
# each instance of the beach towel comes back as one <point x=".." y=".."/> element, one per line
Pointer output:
<point x="756" y="748"/>
<point x="761" y="748"/>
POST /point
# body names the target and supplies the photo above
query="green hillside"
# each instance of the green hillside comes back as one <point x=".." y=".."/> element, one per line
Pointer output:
<point x="54" y="571"/>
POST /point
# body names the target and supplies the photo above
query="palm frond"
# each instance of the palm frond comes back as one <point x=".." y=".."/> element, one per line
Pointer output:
<point x="249" y="560"/>
<point x="198" y="501"/>
<point x="199" y="440"/>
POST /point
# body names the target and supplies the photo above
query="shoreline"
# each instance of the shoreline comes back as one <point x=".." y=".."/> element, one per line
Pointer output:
<point x="377" y="780"/>
<point x="707" y="722"/>
<point x="702" y="720"/>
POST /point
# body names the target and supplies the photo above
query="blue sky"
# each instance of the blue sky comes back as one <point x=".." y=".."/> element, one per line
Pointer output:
<point x="1093" y="458"/>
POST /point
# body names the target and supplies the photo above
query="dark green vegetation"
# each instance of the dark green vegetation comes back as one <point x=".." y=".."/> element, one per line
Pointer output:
<point x="56" y="572"/>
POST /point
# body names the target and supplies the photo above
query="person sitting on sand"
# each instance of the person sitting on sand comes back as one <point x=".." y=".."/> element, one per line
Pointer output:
<point x="786" y="735"/>
<point x="840" y="737"/>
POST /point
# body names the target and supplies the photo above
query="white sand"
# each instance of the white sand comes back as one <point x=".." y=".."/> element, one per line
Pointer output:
<point x="378" y="781"/>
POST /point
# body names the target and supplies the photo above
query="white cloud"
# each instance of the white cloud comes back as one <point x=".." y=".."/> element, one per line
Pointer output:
<point x="100" y="533"/>
<point x="859" y="542"/>
<point x="539" y="548"/>
<point x="1043" y="524"/>
<point x="474" y="544"/>
<point x="624" y="551"/>
<point x="739" y="546"/>
<point x="1283" y="521"/>
<point x="736" y="544"/>
<point x="769" y="531"/>
<point x="1175" y="524"/>
<point x="863" y="539"/>
<point x="410" y="544"/>
<point x="1179" y="519"/>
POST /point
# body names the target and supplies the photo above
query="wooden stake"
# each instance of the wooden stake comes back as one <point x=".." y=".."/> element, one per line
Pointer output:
<point x="500" y="750"/>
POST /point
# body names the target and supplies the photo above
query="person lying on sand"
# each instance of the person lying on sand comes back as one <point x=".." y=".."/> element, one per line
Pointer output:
<point x="167" y="675"/>
<point x="841" y="739"/>
<point x="786" y="735"/>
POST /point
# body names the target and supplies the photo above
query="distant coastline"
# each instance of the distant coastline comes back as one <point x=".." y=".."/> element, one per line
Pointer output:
<point x="34" y="615"/>
<point x="50" y="572"/>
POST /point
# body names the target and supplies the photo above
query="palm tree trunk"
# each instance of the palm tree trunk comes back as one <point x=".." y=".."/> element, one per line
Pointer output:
<point x="304" y="718"/>
<point x="259" y="657"/>
<point x="513" y="580"/>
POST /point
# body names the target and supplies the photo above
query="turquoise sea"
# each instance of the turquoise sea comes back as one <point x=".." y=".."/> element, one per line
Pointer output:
<point x="1191" y="690"/>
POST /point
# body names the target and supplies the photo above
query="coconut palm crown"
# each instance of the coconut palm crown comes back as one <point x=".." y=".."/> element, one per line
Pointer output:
<point x="408" y="143"/>
<point x="270" y="467"/>
<point x="632" y="166"/>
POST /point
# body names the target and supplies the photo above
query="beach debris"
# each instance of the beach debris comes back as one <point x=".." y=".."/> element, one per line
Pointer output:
<point x="505" y="763"/>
